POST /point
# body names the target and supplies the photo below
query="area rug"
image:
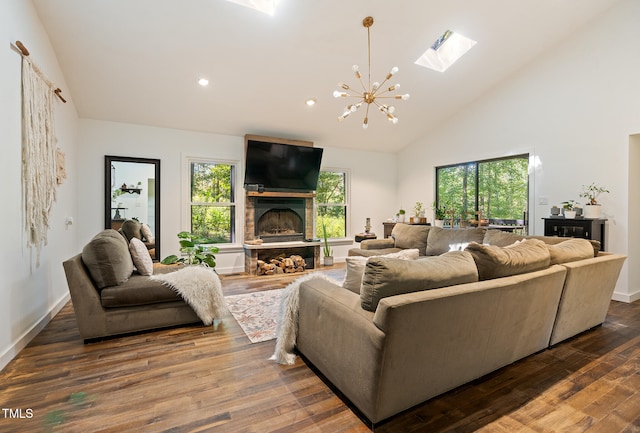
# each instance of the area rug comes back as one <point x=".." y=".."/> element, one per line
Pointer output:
<point x="256" y="313"/>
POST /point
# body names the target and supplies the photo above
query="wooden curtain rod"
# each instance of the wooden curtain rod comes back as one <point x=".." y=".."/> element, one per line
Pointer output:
<point x="25" y="53"/>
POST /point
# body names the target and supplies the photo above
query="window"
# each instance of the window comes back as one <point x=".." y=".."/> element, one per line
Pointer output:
<point x="212" y="206"/>
<point x="499" y="188"/>
<point x="331" y="203"/>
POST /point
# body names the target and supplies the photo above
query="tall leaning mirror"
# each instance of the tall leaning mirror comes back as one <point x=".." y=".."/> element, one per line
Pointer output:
<point x="132" y="199"/>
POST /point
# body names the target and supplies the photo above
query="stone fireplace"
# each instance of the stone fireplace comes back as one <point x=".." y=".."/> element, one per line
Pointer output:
<point x="284" y="224"/>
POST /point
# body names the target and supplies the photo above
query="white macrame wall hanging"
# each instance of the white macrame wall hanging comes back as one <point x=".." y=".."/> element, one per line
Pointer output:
<point x="42" y="162"/>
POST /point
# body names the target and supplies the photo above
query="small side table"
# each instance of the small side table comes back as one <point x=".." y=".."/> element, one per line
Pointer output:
<point x="365" y="236"/>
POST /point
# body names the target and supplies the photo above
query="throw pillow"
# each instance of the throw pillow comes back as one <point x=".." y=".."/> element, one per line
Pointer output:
<point x="141" y="258"/>
<point x="356" y="264"/>
<point x="131" y="229"/>
<point x="108" y="259"/>
<point x="407" y="236"/>
<point x="570" y="250"/>
<point x="385" y="276"/>
<point x="554" y="240"/>
<point x="494" y="262"/>
<point x="442" y="240"/>
<point x="145" y="231"/>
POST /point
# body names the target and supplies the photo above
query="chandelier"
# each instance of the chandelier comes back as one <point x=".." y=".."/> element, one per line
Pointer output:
<point x="371" y="93"/>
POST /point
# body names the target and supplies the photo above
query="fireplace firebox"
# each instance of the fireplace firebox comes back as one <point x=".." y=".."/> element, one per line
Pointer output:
<point x="279" y="219"/>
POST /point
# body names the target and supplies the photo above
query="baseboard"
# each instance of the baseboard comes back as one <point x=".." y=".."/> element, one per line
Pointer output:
<point x="626" y="297"/>
<point x="29" y="335"/>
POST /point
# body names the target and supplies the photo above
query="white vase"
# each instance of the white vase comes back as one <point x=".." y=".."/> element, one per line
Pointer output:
<point x="570" y="214"/>
<point x="592" y="211"/>
<point x="439" y="223"/>
<point x="401" y="218"/>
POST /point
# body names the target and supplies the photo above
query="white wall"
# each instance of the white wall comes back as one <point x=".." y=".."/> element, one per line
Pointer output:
<point x="373" y="177"/>
<point x="574" y="110"/>
<point x="30" y="295"/>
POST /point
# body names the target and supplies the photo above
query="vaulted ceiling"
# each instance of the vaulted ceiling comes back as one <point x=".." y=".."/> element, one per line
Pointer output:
<point x="138" y="61"/>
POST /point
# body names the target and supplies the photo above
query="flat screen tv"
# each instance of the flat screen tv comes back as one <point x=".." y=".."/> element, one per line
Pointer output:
<point x="281" y="167"/>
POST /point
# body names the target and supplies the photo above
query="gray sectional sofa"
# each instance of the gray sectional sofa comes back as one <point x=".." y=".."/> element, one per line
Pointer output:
<point x="110" y="297"/>
<point x="417" y="328"/>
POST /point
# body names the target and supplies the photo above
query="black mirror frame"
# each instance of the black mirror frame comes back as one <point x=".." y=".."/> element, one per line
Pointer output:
<point x="108" y="159"/>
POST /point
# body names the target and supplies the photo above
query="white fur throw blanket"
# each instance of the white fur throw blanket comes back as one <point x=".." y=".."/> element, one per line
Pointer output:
<point x="200" y="287"/>
<point x="287" y="327"/>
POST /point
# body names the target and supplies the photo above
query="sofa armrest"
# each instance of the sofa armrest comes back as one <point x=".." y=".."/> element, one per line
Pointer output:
<point x="337" y="336"/>
<point x="586" y="295"/>
<point x="377" y="244"/>
<point x="85" y="298"/>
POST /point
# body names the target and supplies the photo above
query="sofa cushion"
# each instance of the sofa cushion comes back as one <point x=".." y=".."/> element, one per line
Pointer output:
<point x="147" y="236"/>
<point x="571" y="250"/>
<point x="355" y="267"/>
<point x="500" y="238"/>
<point x="138" y="290"/>
<point x="359" y="252"/>
<point x="108" y="259"/>
<point x="442" y="240"/>
<point x="554" y="240"/>
<point x="385" y="276"/>
<point x="141" y="258"/>
<point x="131" y="229"/>
<point x="408" y="236"/>
<point x="495" y="262"/>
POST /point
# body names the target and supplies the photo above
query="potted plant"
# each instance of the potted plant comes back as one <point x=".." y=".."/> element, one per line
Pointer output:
<point x="592" y="208"/>
<point x="569" y="207"/>
<point x="401" y="215"/>
<point x="328" y="253"/>
<point x="418" y="213"/>
<point x="195" y="248"/>
<point x="439" y="214"/>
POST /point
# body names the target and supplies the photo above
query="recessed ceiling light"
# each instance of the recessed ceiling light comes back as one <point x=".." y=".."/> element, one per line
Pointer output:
<point x="311" y="102"/>
<point x="203" y="82"/>
<point x="445" y="51"/>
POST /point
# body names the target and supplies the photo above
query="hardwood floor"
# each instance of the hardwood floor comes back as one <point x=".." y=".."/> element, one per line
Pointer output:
<point x="200" y="379"/>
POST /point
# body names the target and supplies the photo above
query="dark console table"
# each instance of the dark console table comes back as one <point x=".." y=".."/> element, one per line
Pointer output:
<point x="586" y="228"/>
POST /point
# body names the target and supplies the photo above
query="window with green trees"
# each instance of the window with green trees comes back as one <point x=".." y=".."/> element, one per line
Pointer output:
<point x="499" y="188"/>
<point x="331" y="203"/>
<point x="212" y="200"/>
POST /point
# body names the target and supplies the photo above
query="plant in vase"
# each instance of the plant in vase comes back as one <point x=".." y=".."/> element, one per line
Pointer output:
<point x="327" y="251"/>
<point x="592" y="208"/>
<point x="401" y="215"/>
<point x="569" y="207"/>
<point x="196" y="249"/>
<point x="418" y="212"/>
<point x="439" y="214"/>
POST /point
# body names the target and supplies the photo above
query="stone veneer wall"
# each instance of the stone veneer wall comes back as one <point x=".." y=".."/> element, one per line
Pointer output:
<point x="249" y="218"/>
<point x="252" y="255"/>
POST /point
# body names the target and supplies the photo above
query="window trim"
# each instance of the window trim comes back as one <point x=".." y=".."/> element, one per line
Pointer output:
<point x="236" y="237"/>
<point x="347" y="204"/>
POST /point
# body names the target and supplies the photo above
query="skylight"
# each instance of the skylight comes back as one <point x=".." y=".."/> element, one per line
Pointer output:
<point x="445" y="51"/>
<point x="266" y="6"/>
